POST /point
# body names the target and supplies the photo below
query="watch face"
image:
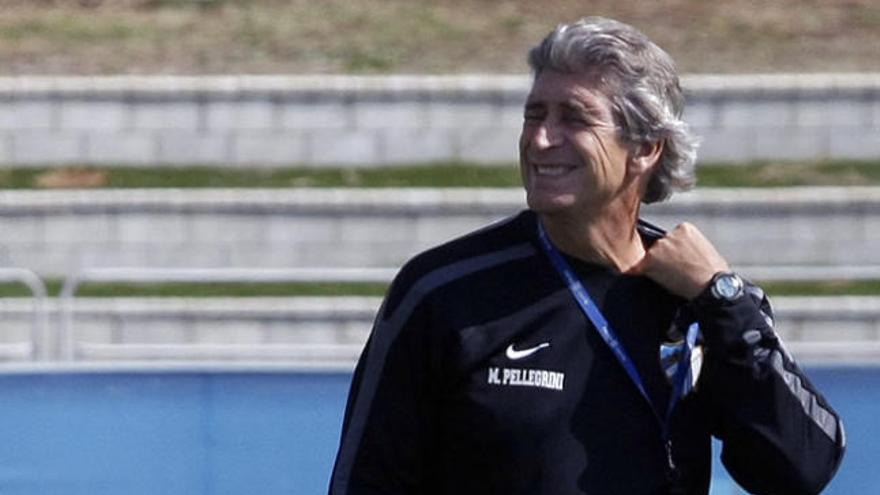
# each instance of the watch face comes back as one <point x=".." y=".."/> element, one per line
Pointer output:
<point x="728" y="286"/>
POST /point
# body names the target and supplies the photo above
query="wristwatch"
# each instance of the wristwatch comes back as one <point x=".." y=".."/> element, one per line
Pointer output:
<point x="726" y="286"/>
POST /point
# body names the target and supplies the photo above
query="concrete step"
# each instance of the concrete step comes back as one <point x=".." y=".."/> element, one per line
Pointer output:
<point x="314" y="330"/>
<point x="55" y="233"/>
<point x="319" y="120"/>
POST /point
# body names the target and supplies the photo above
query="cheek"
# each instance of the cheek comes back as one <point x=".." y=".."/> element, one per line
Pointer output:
<point x="588" y="147"/>
<point x="603" y="148"/>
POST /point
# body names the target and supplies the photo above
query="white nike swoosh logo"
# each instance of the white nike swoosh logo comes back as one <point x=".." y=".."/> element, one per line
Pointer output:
<point x="515" y="354"/>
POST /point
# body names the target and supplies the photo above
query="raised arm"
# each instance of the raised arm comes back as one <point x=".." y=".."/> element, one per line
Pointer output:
<point x="779" y="433"/>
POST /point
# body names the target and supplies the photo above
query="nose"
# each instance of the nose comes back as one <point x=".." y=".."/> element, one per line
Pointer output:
<point x="546" y="135"/>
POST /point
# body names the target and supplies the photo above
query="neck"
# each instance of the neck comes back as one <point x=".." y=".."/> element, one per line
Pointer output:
<point x="609" y="238"/>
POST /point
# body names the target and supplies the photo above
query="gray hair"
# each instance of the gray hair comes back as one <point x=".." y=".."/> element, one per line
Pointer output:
<point x="641" y="81"/>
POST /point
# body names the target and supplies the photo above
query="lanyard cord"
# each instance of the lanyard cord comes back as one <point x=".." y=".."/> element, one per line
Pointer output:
<point x="683" y="373"/>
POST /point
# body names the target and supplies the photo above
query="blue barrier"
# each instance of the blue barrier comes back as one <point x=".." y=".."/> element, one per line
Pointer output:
<point x="186" y="433"/>
<point x="197" y="433"/>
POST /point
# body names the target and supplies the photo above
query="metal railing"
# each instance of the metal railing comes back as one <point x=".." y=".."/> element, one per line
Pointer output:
<point x="38" y="346"/>
<point x="66" y="348"/>
<point x="206" y="275"/>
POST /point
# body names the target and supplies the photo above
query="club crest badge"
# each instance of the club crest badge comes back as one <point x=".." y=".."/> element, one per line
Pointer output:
<point x="681" y="358"/>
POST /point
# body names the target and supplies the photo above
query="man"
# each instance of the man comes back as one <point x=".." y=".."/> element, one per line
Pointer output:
<point x="524" y="358"/>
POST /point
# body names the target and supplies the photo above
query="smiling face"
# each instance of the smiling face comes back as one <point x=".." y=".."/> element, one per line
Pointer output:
<point x="571" y="158"/>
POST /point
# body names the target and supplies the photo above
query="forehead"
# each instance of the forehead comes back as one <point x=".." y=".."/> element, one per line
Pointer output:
<point x="567" y="87"/>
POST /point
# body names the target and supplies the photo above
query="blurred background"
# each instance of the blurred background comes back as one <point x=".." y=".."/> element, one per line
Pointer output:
<point x="203" y="201"/>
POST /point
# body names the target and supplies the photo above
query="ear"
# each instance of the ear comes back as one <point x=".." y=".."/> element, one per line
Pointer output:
<point x="644" y="157"/>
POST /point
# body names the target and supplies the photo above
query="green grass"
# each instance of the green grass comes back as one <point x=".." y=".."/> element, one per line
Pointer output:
<point x="786" y="174"/>
<point x="401" y="36"/>
<point x="73" y="29"/>
<point x="775" y="289"/>
<point x="445" y="174"/>
<point x="431" y="175"/>
<point x="834" y="288"/>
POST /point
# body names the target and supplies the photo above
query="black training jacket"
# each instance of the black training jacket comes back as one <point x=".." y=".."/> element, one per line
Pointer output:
<point x="483" y="376"/>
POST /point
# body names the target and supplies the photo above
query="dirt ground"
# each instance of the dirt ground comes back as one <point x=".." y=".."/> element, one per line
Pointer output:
<point x="411" y="36"/>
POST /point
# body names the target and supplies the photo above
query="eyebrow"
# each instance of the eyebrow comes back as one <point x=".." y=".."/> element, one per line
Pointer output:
<point x="587" y="110"/>
<point x="569" y="105"/>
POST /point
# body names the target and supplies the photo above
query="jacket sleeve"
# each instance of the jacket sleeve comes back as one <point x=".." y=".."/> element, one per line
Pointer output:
<point x="387" y="429"/>
<point x="779" y="434"/>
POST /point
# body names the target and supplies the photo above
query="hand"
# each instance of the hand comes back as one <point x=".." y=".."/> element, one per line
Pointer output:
<point x="683" y="262"/>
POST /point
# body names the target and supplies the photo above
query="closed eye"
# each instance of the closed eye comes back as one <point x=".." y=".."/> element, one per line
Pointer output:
<point x="575" y="113"/>
<point x="534" y="113"/>
<point x="576" y="120"/>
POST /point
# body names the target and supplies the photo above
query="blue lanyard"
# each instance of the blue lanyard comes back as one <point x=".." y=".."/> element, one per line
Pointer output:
<point x="683" y="376"/>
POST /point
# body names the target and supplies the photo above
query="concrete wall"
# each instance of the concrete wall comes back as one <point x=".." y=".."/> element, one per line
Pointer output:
<point x="55" y="233"/>
<point x="332" y="330"/>
<point x="360" y="121"/>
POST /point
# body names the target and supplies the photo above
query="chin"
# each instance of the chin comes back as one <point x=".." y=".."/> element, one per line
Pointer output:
<point x="549" y="204"/>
